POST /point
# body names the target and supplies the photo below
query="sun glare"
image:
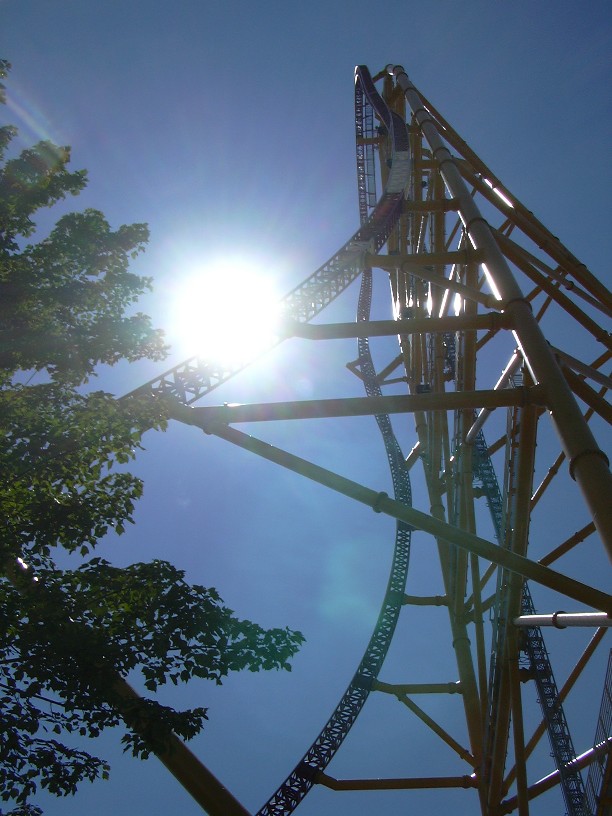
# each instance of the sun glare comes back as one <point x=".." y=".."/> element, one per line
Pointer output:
<point x="227" y="312"/>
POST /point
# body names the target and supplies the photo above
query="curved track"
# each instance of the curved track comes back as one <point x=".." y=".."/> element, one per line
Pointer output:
<point x="194" y="378"/>
<point x="440" y="248"/>
<point x="376" y="227"/>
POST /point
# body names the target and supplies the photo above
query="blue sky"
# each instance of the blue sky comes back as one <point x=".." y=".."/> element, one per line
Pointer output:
<point x="228" y="127"/>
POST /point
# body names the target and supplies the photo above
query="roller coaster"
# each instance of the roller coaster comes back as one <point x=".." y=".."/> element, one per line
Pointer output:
<point x="477" y="284"/>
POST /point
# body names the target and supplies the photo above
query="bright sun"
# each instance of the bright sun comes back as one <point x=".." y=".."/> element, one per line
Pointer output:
<point x="227" y="312"/>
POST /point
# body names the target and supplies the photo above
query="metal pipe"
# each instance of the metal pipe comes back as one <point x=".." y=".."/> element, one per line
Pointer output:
<point x="436" y="279"/>
<point x="396" y="784"/>
<point x="425" y="600"/>
<point x="507" y="373"/>
<point x="416" y="688"/>
<point x="517" y="723"/>
<point x="365" y="406"/>
<point x="588" y="395"/>
<point x="587" y="370"/>
<point x="588" y="464"/>
<point x="518" y="214"/>
<point x="517" y="534"/>
<point x="528" y="264"/>
<point x="212" y="796"/>
<point x="381" y="503"/>
<point x="561" y="620"/>
<point x="554" y="778"/>
<point x="437" y="729"/>
<point x="568" y="544"/>
<point x="380" y="328"/>
<point x="414" y="455"/>
<point x="459" y="256"/>
<point x="565" y="690"/>
<point x="461" y="641"/>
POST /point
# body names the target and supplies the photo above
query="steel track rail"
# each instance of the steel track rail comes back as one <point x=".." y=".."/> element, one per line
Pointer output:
<point x="288" y="796"/>
<point x="194" y="378"/>
<point x="572" y="784"/>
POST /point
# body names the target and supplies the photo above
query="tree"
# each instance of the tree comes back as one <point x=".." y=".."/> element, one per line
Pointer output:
<point x="68" y="636"/>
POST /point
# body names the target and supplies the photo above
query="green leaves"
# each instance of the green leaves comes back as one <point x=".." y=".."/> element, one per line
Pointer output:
<point x="58" y="453"/>
<point x="63" y="301"/>
<point x="68" y="638"/>
<point x="37" y="178"/>
<point x="64" y="643"/>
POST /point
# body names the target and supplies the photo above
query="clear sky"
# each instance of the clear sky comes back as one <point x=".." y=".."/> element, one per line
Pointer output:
<point x="228" y="127"/>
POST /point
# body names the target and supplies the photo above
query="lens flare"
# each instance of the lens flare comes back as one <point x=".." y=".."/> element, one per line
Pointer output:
<point x="227" y="312"/>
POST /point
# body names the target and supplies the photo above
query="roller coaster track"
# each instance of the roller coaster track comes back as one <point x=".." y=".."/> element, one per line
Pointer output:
<point x="194" y="378"/>
<point x="552" y="708"/>
<point x="318" y="756"/>
<point x="422" y="183"/>
<point x="599" y="781"/>
<point x="299" y="782"/>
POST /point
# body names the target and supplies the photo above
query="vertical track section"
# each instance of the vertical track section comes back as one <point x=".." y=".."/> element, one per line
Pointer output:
<point x="558" y="731"/>
<point x="589" y="465"/>
<point x="288" y="796"/>
<point x="194" y="378"/>
<point x="599" y="781"/>
<point x="559" y="735"/>
<point x="411" y="218"/>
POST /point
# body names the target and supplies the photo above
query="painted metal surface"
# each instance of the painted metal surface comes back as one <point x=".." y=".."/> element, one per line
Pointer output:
<point x="441" y="252"/>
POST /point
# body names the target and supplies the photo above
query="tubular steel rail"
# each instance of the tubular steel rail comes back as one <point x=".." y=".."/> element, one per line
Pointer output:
<point x="559" y="735"/>
<point x="599" y="780"/>
<point x="421" y="185"/>
<point x="297" y="785"/>
<point x="539" y="662"/>
<point x="287" y="797"/>
<point x="194" y="378"/>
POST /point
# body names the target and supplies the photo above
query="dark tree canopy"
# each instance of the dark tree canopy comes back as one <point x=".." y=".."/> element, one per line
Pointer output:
<point x="66" y="307"/>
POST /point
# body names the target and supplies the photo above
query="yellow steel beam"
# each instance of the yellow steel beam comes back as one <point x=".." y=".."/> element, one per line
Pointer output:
<point x="517" y="256"/>
<point x="438" y="205"/>
<point x="554" y="778"/>
<point x="212" y="796"/>
<point x="399" y="689"/>
<point x="381" y="328"/>
<point x="588" y="394"/>
<point x="380" y="502"/>
<point x="523" y="436"/>
<point x="568" y="544"/>
<point x="437" y="258"/>
<point x="418" y="266"/>
<point x="396" y="784"/>
<point x="421" y="600"/>
<point x="588" y="464"/>
<point x="366" y="406"/>
<point x="518" y="214"/>
<point x="438" y="730"/>
<point x="517" y="724"/>
<point x="563" y="692"/>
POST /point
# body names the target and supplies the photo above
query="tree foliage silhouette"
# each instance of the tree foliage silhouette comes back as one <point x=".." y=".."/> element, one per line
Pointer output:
<point x="66" y="307"/>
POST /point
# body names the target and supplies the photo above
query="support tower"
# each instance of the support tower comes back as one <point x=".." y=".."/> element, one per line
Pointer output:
<point x="486" y="376"/>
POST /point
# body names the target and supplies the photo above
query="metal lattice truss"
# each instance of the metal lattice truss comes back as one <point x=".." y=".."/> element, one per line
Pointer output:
<point x="477" y="284"/>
